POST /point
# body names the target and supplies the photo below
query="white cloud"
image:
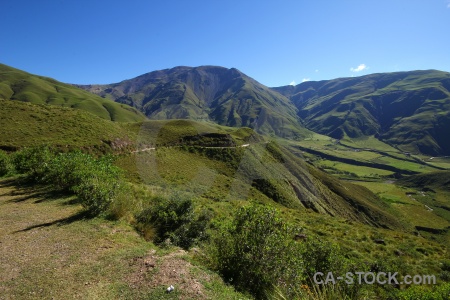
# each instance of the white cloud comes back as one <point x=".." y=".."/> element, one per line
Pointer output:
<point x="448" y="4"/>
<point x="317" y="71"/>
<point x="360" y="68"/>
<point x="292" y="83"/>
<point x="306" y="79"/>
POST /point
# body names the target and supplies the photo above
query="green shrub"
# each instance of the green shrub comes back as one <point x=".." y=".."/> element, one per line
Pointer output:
<point x="33" y="161"/>
<point x="420" y="292"/>
<point x="6" y="165"/>
<point x="321" y="256"/>
<point x="96" y="182"/>
<point x="175" y="219"/>
<point x="67" y="170"/>
<point x="257" y="253"/>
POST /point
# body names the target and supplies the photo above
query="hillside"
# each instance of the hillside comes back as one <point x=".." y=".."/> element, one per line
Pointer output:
<point x="26" y="125"/>
<point x="182" y="184"/>
<point x="228" y="164"/>
<point x="432" y="180"/>
<point x="51" y="250"/>
<point x="225" y="96"/>
<point x="264" y="170"/>
<point x="21" y="86"/>
<point x="408" y="110"/>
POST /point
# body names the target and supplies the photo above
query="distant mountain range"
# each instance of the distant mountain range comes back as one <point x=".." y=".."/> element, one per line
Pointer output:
<point x="408" y="110"/>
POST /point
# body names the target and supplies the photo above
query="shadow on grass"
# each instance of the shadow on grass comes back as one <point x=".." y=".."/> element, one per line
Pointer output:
<point x="9" y="182"/>
<point x="27" y="190"/>
<point x="82" y="215"/>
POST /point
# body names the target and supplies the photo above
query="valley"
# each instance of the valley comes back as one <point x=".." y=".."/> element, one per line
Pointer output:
<point x="174" y="166"/>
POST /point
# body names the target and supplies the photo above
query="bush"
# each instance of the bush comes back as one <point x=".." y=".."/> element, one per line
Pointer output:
<point x="420" y="292"/>
<point x="66" y="171"/>
<point x="33" y="161"/>
<point x="321" y="256"/>
<point x="257" y="252"/>
<point x="6" y="165"/>
<point x="175" y="219"/>
<point x="96" y="182"/>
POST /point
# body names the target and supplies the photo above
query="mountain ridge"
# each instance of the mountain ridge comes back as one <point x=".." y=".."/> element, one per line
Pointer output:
<point x="408" y="110"/>
<point x="226" y="96"/>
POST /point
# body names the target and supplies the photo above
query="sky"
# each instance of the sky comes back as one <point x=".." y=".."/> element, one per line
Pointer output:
<point x="275" y="42"/>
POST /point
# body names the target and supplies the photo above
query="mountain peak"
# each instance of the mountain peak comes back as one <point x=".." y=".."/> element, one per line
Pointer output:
<point x="226" y="96"/>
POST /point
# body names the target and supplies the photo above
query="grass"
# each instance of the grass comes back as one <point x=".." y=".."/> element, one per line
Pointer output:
<point x="170" y="132"/>
<point x="343" y="169"/>
<point x="117" y="255"/>
<point x="27" y="125"/>
<point x="369" y="142"/>
<point x="443" y="162"/>
<point x="220" y="181"/>
<point x="224" y="173"/>
<point x="409" y="203"/>
<point x="406" y="203"/>
<point x="434" y="180"/>
<point x="365" y="158"/>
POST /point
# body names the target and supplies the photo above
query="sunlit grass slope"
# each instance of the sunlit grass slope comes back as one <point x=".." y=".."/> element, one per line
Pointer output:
<point x="19" y="85"/>
<point x="27" y="125"/>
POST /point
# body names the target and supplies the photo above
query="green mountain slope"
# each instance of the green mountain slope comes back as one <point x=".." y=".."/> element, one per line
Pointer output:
<point x="409" y="110"/>
<point x="18" y="85"/>
<point x="225" y="96"/>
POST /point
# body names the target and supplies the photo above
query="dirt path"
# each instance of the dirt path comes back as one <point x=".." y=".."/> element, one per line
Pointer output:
<point x="153" y="148"/>
<point x="46" y="249"/>
<point x="49" y="250"/>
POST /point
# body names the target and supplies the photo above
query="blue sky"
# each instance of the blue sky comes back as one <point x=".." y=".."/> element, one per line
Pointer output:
<point x="275" y="42"/>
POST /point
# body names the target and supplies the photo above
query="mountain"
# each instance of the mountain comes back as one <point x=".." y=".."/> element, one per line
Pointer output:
<point x="225" y="96"/>
<point x="408" y="110"/>
<point x="19" y="85"/>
